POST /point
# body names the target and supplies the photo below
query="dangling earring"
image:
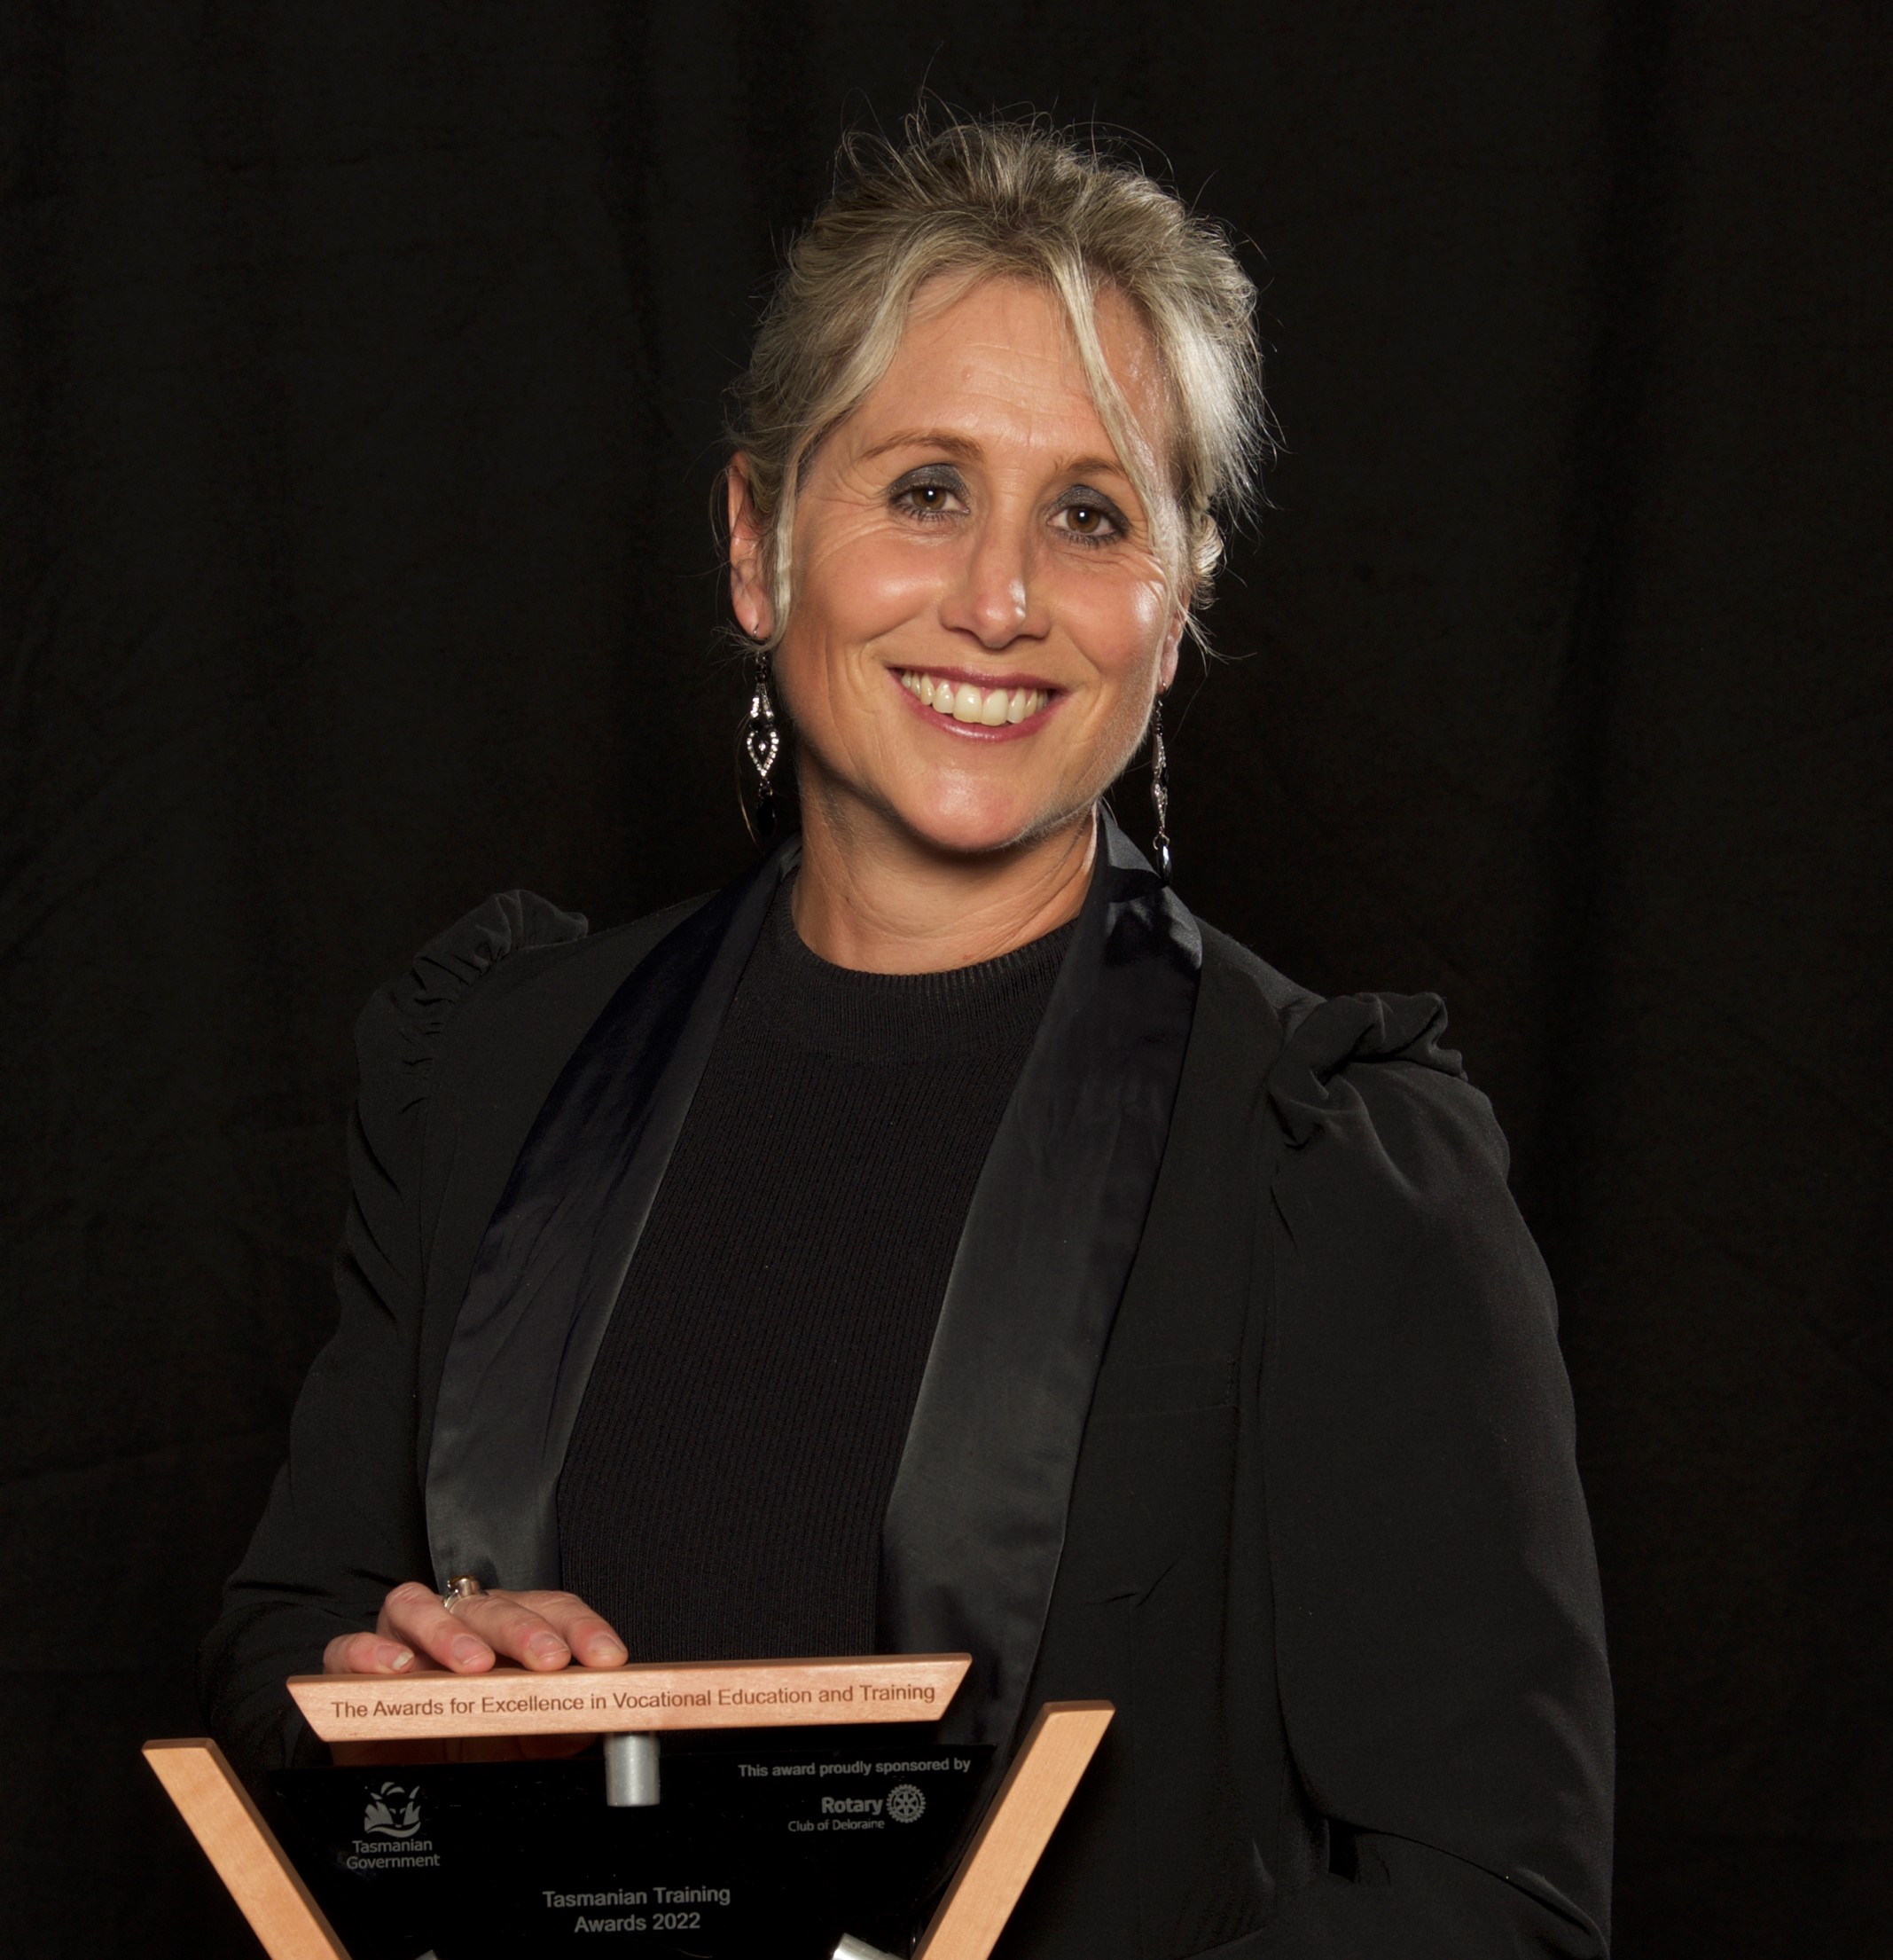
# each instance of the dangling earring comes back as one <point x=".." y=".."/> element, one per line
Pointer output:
<point x="761" y="743"/>
<point x="1160" y="789"/>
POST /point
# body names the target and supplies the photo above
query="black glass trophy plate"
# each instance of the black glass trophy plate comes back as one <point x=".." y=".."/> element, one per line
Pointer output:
<point x="753" y="1850"/>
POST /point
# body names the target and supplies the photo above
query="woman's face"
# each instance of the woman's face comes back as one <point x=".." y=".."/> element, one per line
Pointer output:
<point x="980" y="619"/>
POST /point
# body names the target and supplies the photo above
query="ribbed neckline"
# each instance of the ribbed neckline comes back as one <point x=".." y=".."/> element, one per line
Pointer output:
<point x="993" y="1008"/>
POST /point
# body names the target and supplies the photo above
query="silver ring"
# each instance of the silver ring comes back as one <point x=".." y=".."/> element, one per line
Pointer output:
<point x="461" y="1586"/>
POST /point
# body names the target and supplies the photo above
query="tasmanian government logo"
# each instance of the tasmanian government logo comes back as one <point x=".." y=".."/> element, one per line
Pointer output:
<point x="905" y="1804"/>
<point x="392" y="1812"/>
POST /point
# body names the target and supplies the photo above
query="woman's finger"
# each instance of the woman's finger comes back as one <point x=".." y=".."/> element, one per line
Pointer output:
<point x="588" y="1634"/>
<point x="512" y="1629"/>
<point x="366" y="1654"/>
<point x="414" y="1614"/>
<point x="542" y="1630"/>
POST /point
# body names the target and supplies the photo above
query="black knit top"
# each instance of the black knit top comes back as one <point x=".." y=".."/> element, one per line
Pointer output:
<point x="724" y="1488"/>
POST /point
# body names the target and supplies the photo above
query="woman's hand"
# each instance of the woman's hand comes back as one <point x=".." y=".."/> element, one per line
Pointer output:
<point x="538" y="1630"/>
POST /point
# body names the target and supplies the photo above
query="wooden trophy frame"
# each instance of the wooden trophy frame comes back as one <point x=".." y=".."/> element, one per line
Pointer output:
<point x="641" y="1700"/>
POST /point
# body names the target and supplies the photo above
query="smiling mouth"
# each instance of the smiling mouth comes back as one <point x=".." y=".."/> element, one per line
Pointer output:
<point x="961" y="701"/>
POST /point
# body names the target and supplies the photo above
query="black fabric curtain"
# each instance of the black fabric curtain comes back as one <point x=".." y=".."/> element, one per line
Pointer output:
<point x="357" y="428"/>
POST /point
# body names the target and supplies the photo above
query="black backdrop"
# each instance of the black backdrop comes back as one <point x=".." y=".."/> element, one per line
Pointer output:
<point x="360" y="395"/>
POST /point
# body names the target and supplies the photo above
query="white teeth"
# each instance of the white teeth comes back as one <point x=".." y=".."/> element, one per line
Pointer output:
<point x="988" y="707"/>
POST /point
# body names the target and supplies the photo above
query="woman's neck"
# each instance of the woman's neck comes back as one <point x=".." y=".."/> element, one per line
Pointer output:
<point x="891" y="904"/>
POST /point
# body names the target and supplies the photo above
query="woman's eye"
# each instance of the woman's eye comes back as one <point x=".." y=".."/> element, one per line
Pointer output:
<point x="1090" y="518"/>
<point x="929" y="497"/>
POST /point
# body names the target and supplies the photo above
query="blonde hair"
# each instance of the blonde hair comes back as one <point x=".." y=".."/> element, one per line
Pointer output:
<point x="978" y="200"/>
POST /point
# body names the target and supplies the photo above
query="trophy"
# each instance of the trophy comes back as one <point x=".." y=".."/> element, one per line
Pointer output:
<point x="774" y="1810"/>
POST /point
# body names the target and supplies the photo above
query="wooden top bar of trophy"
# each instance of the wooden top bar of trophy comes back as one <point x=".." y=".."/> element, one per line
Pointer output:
<point x="702" y="1694"/>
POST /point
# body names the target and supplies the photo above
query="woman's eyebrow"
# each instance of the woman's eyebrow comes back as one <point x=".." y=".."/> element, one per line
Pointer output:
<point x="962" y="446"/>
<point x="967" y="451"/>
<point x="1094" y="465"/>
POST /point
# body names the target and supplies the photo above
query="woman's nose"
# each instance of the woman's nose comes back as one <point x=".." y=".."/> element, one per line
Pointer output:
<point x="997" y="599"/>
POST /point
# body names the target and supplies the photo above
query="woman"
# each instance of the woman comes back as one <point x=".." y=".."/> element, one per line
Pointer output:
<point x="940" y="1239"/>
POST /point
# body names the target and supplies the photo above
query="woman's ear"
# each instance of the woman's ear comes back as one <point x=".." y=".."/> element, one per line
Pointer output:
<point x="749" y="541"/>
<point x="1172" y="656"/>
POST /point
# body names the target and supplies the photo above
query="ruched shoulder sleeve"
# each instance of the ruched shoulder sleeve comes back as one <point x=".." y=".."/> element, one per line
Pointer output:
<point x="1439" y="1634"/>
<point x="399" y="1035"/>
<point x="344" y="1522"/>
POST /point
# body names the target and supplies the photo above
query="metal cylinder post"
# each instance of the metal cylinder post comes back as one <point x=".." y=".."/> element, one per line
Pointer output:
<point x="631" y="1770"/>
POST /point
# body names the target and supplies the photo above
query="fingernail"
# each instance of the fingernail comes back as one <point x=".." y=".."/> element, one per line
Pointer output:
<point x="607" y="1653"/>
<point x="466" y="1648"/>
<point x="546" y="1646"/>
<point x="401" y="1658"/>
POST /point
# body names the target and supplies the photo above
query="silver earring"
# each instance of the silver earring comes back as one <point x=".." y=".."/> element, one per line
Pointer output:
<point x="761" y="743"/>
<point x="1160" y="789"/>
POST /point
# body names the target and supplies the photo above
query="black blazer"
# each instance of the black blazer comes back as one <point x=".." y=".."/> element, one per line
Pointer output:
<point x="1245" y="1412"/>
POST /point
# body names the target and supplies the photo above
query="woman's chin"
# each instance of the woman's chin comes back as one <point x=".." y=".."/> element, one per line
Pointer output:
<point x="985" y="828"/>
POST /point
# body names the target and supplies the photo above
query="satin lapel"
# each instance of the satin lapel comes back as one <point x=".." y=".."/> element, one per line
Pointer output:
<point x="974" y="1529"/>
<point x="554" y="1257"/>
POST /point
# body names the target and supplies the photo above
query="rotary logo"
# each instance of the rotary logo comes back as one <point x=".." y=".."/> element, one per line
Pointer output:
<point x="392" y="1812"/>
<point x="905" y="1803"/>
